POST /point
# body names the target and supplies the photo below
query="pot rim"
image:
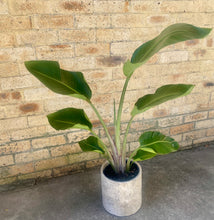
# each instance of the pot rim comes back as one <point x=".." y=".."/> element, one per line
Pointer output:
<point x="106" y="163"/>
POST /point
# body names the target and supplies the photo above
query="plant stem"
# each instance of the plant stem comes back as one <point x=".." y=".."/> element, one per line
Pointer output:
<point x="117" y="129"/>
<point x="113" y="147"/>
<point x="129" y="160"/>
<point x="110" y="159"/>
<point x="124" y="142"/>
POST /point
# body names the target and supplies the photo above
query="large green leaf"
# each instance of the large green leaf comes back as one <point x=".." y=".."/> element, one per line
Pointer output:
<point x="144" y="154"/>
<point x="173" y="34"/>
<point x="59" y="80"/>
<point x="162" y="94"/>
<point x="92" y="144"/>
<point x="69" y="118"/>
<point x="160" y="143"/>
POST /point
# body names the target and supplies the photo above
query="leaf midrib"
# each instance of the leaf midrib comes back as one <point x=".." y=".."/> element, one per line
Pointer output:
<point x="46" y="76"/>
<point x="156" y="142"/>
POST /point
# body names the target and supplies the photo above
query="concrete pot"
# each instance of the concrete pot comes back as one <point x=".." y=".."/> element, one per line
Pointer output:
<point x="121" y="198"/>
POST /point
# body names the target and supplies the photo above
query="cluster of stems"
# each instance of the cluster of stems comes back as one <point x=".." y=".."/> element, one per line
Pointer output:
<point x="117" y="153"/>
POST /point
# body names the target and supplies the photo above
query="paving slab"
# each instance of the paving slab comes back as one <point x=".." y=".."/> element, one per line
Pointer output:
<point x="178" y="186"/>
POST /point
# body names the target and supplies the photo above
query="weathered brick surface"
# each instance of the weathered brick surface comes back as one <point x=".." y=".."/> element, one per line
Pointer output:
<point x="32" y="156"/>
<point x="15" y="147"/>
<point x="6" y="160"/>
<point x="51" y="163"/>
<point x="96" y="37"/>
<point x="48" y="141"/>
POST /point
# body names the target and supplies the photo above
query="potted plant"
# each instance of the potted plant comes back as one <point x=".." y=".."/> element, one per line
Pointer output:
<point x="121" y="175"/>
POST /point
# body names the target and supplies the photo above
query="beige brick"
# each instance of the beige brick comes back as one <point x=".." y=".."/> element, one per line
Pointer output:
<point x="199" y="6"/>
<point x="206" y="19"/>
<point x="73" y="36"/>
<point x="53" y="21"/>
<point x="63" y="102"/>
<point x="129" y="20"/>
<point x="190" y="136"/>
<point x="206" y="65"/>
<point x="49" y="141"/>
<point x="37" y="94"/>
<point x="9" y="69"/>
<point x="71" y="169"/>
<point x="18" y="82"/>
<point x="31" y="156"/>
<point x="17" y="54"/>
<point x="16" y="170"/>
<point x="211" y="114"/>
<point x="64" y="150"/>
<point x="177" y="138"/>
<point x="92" y="49"/>
<point x="6" y="160"/>
<point x="77" y="136"/>
<point x="109" y="86"/>
<point x="93" y="21"/>
<point x="21" y="134"/>
<point x="37" y="120"/>
<point x="160" y="112"/>
<point x="102" y="99"/>
<point x="210" y="132"/>
<point x="177" y="6"/>
<point x="145" y="6"/>
<point x="165" y="122"/>
<point x="75" y="158"/>
<point x="201" y="54"/>
<point x="205" y="106"/>
<point x="9" y="23"/>
<point x="204" y="124"/>
<point x="36" y="175"/>
<point x="3" y="7"/>
<point x="111" y="35"/>
<point x="4" y="136"/>
<point x="161" y="19"/>
<point x="134" y="145"/>
<point x="29" y="7"/>
<point x="181" y="129"/>
<point x="143" y="34"/>
<point x="15" y="147"/>
<point x="36" y="37"/>
<point x="203" y="140"/>
<point x="71" y="7"/>
<point x="195" y="117"/>
<point x="121" y="48"/>
<point x="7" y="40"/>
<point x="22" y="110"/>
<point x="14" y="123"/>
<point x="174" y="56"/>
<point x="110" y="61"/>
<point x="54" y="52"/>
<point x="95" y="163"/>
<point x="2" y="113"/>
<point x="6" y="181"/>
<point x="98" y="75"/>
<point x="78" y="63"/>
<point x="110" y="6"/>
<point x="51" y="163"/>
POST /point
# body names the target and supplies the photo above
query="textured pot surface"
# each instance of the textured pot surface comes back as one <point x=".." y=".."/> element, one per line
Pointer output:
<point x="121" y="198"/>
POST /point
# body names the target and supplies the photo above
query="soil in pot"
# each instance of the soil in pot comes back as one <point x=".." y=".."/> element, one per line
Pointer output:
<point x="110" y="173"/>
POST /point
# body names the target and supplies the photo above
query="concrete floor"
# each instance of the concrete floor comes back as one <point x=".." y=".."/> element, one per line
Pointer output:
<point x="178" y="186"/>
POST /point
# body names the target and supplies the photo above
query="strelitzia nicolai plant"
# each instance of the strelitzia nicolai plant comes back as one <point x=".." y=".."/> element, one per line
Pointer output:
<point x="151" y="143"/>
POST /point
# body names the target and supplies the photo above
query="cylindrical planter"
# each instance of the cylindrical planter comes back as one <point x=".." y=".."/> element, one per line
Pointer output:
<point x="121" y="198"/>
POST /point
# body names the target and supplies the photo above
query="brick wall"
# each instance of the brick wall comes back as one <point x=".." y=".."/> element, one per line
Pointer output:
<point x="96" y="37"/>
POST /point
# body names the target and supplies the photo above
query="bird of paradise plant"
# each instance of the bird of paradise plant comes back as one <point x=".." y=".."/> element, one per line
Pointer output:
<point x="151" y="143"/>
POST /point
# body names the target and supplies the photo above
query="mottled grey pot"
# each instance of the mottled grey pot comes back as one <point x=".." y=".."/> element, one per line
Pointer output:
<point x="121" y="198"/>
